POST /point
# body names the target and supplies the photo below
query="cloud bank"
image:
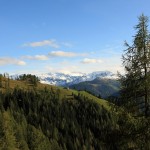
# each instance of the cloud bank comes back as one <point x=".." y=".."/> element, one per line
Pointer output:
<point x="91" y="61"/>
<point x="62" y="54"/>
<point x="51" y="43"/>
<point x="65" y="54"/>
<point x="36" y="57"/>
<point x="11" y="61"/>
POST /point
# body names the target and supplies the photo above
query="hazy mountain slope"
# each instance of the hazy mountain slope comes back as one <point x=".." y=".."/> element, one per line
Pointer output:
<point x="99" y="86"/>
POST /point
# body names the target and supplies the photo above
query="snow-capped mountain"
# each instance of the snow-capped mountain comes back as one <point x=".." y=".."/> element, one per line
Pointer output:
<point x="62" y="79"/>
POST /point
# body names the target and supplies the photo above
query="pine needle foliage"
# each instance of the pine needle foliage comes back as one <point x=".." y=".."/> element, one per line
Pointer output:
<point x="136" y="61"/>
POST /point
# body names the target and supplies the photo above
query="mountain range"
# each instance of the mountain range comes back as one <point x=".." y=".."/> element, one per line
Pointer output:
<point x="62" y="79"/>
<point x="100" y="83"/>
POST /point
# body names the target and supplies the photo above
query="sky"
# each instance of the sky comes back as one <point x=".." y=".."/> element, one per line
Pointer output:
<point x="41" y="36"/>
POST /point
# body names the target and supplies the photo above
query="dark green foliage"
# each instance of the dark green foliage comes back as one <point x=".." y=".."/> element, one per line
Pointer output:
<point x="136" y="60"/>
<point x="45" y="120"/>
<point x="32" y="79"/>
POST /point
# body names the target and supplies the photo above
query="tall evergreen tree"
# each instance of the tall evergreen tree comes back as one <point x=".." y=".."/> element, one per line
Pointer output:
<point x="136" y="60"/>
<point x="1" y="81"/>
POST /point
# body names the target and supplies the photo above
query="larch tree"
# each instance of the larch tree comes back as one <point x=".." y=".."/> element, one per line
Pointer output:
<point x="136" y="61"/>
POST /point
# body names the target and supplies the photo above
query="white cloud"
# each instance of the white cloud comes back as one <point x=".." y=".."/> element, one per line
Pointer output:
<point x="62" y="54"/>
<point x="20" y="63"/>
<point x="90" y="60"/>
<point x="51" y="43"/>
<point x="36" y="57"/>
<point x="65" y="54"/>
<point x="12" y="61"/>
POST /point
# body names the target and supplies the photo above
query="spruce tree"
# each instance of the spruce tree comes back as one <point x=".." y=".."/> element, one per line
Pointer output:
<point x="1" y="81"/>
<point x="136" y="61"/>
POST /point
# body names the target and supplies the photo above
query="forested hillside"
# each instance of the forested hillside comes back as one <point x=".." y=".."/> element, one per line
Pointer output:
<point x="100" y="87"/>
<point x="61" y="119"/>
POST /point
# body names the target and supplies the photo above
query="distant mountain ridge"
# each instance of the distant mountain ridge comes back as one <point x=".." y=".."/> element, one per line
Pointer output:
<point x="62" y="79"/>
<point x="100" y="83"/>
<point x="103" y="87"/>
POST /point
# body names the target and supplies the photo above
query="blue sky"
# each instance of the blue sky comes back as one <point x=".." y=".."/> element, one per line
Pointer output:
<point x="38" y="36"/>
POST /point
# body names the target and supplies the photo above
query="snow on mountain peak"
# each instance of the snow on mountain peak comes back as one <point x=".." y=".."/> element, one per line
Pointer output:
<point x="64" y="79"/>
